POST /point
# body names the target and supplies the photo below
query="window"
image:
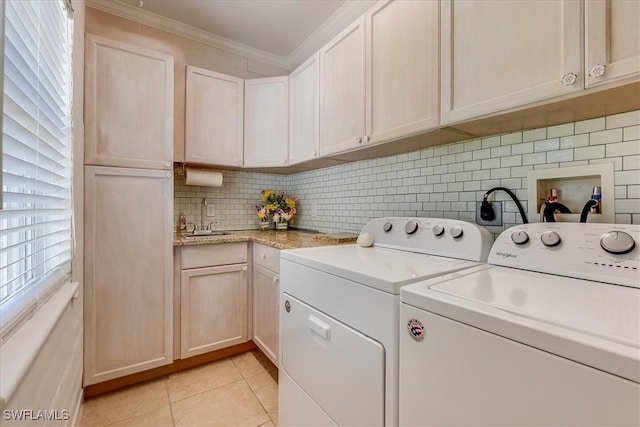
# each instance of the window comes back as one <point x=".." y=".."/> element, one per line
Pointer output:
<point x="35" y="220"/>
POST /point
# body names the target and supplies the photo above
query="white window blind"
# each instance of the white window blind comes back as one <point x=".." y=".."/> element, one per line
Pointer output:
<point x="35" y="220"/>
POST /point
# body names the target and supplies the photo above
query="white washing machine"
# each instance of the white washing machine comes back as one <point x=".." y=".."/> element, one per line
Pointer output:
<point x="546" y="334"/>
<point x="339" y="317"/>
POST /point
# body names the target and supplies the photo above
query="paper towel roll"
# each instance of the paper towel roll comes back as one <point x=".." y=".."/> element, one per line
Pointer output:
<point x="203" y="177"/>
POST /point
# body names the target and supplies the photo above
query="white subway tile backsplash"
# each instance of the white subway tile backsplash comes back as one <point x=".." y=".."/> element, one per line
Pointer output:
<point x="574" y="141"/>
<point x="628" y="148"/>
<point x="436" y="182"/>
<point x="587" y="153"/>
<point x="592" y="125"/>
<point x="624" y="119"/>
<point x="546" y="145"/>
<point x="534" y="135"/>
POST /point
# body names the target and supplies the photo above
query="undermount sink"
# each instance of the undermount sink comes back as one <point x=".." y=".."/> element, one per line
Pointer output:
<point x="205" y="233"/>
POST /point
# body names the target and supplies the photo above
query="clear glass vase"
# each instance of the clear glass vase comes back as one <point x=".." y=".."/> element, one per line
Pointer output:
<point x="282" y="226"/>
<point x="264" y="225"/>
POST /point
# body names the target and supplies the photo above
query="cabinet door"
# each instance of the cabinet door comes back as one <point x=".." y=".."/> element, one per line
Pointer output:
<point x="266" y="122"/>
<point x="266" y="291"/>
<point x="213" y="118"/>
<point x="304" y="111"/>
<point x="128" y="105"/>
<point x="498" y="55"/>
<point x="612" y="40"/>
<point x="403" y="56"/>
<point x="128" y="286"/>
<point x="342" y="91"/>
<point x="213" y="308"/>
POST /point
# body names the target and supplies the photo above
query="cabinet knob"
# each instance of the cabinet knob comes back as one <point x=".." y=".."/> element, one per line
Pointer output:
<point x="358" y="140"/>
<point x="366" y="138"/>
<point x="264" y="256"/>
<point x="284" y="162"/>
<point x="169" y="174"/>
<point x="598" y="71"/>
<point x="275" y="279"/>
<point x="244" y="268"/>
<point x="167" y="164"/>
<point x="569" y="79"/>
<point x="315" y="154"/>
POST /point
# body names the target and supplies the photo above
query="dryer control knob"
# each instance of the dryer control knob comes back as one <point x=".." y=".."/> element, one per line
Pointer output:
<point x="550" y="238"/>
<point x="519" y="237"/>
<point x="438" y="230"/>
<point x="411" y="227"/>
<point x="387" y="226"/>
<point x="456" y="232"/>
<point x="617" y="242"/>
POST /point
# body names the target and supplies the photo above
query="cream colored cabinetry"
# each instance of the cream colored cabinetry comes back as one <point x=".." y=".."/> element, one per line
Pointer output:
<point x="213" y="298"/>
<point x="498" y="55"/>
<point x="128" y="105"/>
<point x="612" y="45"/>
<point x="342" y="91"/>
<point x="379" y="78"/>
<point x="214" y="118"/>
<point x="304" y="111"/>
<point x="128" y="301"/>
<point x="266" y="122"/>
<point x="266" y="291"/>
<point x="402" y="66"/>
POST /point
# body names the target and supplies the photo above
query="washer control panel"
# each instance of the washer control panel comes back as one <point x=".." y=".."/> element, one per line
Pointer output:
<point x="603" y="252"/>
<point x="434" y="236"/>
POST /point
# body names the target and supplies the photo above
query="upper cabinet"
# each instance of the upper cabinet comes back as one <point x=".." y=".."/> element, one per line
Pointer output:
<point x="612" y="47"/>
<point x="402" y="57"/>
<point x="379" y="79"/>
<point x="266" y="122"/>
<point x="128" y="105"/>
<point x="342" y="91"/>
<point x="304" y="111"/>
<point x="213" y="118"/>
<point x="498" y="55"/>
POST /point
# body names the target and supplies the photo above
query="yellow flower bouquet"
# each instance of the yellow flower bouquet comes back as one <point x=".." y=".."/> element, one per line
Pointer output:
<point x="276" y="205"/>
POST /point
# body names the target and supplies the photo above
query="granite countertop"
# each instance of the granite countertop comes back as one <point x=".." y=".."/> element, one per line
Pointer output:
<point x="290" y="239"/>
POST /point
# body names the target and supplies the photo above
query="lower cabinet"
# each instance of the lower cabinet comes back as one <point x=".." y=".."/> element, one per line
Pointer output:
<point x="266" y="291"/>
<point x="214" y="298"/>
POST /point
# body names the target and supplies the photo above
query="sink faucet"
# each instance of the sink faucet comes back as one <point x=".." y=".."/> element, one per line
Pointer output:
<point x="203" y="212"/>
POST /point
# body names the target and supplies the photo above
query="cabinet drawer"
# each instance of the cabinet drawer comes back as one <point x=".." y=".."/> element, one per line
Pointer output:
<point x="212" y="255"/>
<point x="267" y="257"/>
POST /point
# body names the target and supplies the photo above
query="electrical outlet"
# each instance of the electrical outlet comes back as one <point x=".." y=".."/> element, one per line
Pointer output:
<point x="211" y="209"/>
<point x="497" y="208"/>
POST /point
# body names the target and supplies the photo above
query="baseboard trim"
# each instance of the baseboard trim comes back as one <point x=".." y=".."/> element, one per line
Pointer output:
<point x="177" y="366"/>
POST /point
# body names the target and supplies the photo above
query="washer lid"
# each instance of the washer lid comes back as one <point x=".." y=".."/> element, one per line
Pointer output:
<point x="381" y="268"/>
<point x="591" y="322"/>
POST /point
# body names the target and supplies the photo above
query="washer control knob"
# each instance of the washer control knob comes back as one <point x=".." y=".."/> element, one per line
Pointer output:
<point x="617" y="242"/>
<point x="438" y="230"/>
<point x="519" y="237"/>
<point x="456" y="232"/>
<point x="387" y="226"/>
<point x="411" y="227"/>
<point x="550" y="238"/>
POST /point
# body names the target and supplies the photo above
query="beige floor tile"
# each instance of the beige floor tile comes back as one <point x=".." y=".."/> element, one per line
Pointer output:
<point x="123" y="404"/>
<point x="253" y="362"/>
<point x="160" y="417"/>
<point x="200" y="379"/>
<point x="265" y="388"/>
<point x="229" y="405"/>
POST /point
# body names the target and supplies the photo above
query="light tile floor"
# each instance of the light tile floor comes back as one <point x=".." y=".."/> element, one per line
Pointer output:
<point x="240" y="390"/>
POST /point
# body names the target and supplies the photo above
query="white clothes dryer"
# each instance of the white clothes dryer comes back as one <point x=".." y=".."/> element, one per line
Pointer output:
<point x="339" y="316"/>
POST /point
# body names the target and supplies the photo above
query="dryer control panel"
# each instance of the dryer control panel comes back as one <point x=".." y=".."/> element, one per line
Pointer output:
<point x="607" y="253"/>
<point x="433" y="236"/>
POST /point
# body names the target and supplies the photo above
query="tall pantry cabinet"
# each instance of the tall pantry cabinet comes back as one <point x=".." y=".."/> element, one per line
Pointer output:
<point x="128" y="204"/>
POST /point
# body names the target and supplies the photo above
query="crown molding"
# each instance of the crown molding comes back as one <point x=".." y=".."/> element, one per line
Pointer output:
<point x="172" y="26"/>
<point x="342" y="17"/>
<point x="345" y="15"/>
